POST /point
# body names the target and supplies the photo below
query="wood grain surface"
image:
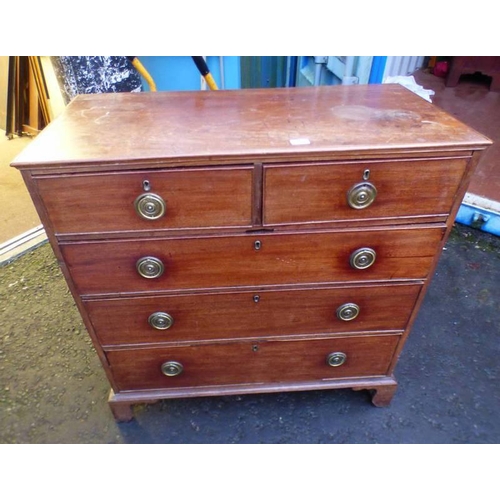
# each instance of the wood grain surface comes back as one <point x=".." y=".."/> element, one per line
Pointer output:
<point x="257" y="237"/>
<point x="318" y="193"/>
<point x="209" y="316"/>
<point x="232" y="261"/>
<point x="194" y="198"/>
<point x="207" y="127"/>
<point x="252" y="362"/>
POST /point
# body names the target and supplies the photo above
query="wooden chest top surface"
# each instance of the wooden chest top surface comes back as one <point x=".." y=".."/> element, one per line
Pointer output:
<point x="275" y="124"/>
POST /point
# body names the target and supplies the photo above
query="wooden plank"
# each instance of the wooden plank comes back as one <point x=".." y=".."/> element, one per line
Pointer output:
<point x="11" y="97"/>
<point x="34" y="103"/>
<point x="41" y="88"/>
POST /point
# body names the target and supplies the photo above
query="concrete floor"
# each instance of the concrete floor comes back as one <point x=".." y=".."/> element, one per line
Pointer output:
<point x="53" y="389"/>
<point x="20" y="226"/>
<point x="17" y="214"/>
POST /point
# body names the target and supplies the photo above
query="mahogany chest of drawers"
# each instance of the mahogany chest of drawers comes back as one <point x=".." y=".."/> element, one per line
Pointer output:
<point x="246" y="241"/>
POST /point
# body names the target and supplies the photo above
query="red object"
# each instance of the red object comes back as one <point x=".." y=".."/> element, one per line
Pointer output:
<point x="441" y="69"/>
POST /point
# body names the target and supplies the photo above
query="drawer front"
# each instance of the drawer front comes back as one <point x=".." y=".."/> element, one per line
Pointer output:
<point x="250" y="260"/>
<point x="193" y="198"/>
<point x="319" y="193"/>
<point x="208" y="316"/>
<point x="247" y="362"/>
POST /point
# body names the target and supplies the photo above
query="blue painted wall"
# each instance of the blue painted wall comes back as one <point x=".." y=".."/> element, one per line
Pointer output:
<point x="180" y="73"/>
<point x="378" y="68"/>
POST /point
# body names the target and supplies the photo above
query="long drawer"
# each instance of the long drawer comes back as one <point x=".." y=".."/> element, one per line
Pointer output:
<point x="193" y="198"/>
<point x="250" y="260"/>
<point x="252" y="362"/>
<point x="209" y="316"/>
<point x="320" y="193"/>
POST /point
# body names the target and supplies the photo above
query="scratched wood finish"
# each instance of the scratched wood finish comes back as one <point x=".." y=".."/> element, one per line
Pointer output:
<point x="232" y="175"/>
<point x="229" y="261"/>
<point x="194" y="198"/>
<point x="312" y="193"/>
<point x="252" y="362"/>
<point x="207" y="127"/>
<point x="209" y="316"/>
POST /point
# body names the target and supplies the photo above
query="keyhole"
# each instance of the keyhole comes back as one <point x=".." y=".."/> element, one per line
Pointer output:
<point x="257" y="245"/>
<point x="146" y="185"/>
<point x="255" y="348"/>
<point x="256" y="298"/>
<point x="366" y="174"/>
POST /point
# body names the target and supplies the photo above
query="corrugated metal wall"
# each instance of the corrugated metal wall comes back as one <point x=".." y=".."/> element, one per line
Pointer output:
<point x="402" y="65"/>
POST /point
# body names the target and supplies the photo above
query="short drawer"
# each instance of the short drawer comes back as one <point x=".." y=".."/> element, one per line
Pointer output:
<point x="251" y="260"/>
<point x="208" y="316"/>
<point x="317" y="193"/>
<point x="252" y="362"/>
<point x="148" y="200"/>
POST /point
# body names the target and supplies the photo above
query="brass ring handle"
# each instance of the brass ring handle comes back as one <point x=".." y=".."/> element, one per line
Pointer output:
<point x="150" y="267"/>
<point x="171" y="368"/>
<point x="336" y="359"/>
<point x="362" y="258"/>
<point x="150" y="206"/>
<point x="361" y="195"/>
<point x="348" y="312"/>
<point x="161" y="320"/>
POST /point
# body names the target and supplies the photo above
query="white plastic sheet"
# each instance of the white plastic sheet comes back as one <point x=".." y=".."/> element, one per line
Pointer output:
<point x="410" y="83"/>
